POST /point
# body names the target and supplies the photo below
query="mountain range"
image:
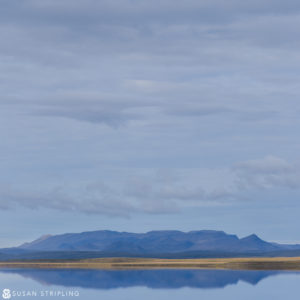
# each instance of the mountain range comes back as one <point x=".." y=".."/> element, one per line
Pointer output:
<point x="166" y="243"/>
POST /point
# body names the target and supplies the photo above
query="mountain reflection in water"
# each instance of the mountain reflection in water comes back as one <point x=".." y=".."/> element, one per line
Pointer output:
<point x="156" y="279"/>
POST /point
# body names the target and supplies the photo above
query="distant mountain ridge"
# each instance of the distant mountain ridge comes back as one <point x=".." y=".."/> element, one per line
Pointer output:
<point x="154" y="242"/>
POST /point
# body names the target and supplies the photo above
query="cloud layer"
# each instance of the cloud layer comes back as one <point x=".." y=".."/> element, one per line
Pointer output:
<point x="161" y="191"/>
<point x="96" y="96"/>
<point x="112" y="63"/>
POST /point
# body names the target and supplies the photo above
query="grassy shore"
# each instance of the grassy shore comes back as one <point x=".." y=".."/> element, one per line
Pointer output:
<point x="277" y="263"/>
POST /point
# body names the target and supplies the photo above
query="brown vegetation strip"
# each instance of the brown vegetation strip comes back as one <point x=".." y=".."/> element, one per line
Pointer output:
<point x="278" y="263"/>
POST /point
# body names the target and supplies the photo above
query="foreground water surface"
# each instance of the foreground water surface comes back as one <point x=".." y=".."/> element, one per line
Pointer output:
<point x="148" y="284"/>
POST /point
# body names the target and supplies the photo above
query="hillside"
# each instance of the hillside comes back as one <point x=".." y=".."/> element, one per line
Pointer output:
<point x="154" y="242"/>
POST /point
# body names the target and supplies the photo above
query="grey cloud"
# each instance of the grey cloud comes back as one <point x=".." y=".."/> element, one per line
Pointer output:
<point x="197" y="110"/>
<point x="58" y="198"/>
<point x="270" y="172"/>
<point x="114" y="118"/>
<point x="99" y="199"/>
<point x="195" y="82"/>
<point x="159" y="192"/>
<point x="268" y="165"/>
<point x="186" y="59"/>
<point x="80" y="12"/>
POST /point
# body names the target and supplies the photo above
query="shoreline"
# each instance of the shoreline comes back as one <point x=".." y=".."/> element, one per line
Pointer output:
<point x="274" y="263"/>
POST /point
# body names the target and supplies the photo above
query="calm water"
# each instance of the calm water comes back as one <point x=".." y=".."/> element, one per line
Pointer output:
<point x="150" y="284"/>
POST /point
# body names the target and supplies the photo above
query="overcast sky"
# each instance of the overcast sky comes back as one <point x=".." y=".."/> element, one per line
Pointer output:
<point x="137" y="115"/>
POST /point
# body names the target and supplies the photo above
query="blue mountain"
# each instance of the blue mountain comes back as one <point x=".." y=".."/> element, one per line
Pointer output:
<point x="154" y="242"/>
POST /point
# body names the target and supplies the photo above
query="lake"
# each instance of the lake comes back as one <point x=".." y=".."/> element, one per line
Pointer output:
<point x="148" y="284"/>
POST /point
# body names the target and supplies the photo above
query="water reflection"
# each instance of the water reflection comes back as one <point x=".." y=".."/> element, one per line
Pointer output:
<point x="156" y="279"/>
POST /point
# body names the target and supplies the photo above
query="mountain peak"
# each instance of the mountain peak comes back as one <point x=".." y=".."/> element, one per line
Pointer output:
<point x="252" y="237"/>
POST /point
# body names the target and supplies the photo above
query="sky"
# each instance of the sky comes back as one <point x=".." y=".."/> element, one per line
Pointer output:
<point x="149" y="115"/>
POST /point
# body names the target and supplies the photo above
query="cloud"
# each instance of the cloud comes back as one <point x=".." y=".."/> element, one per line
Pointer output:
<point x="126" y="58"/>
<point x="269" y="172"/>
<point x="89" y="86"/>
<point x="267" y="165"/>
<point x="159" y="191"/>
<point x="104" y="201"/>
<point x="100" y="115"/>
